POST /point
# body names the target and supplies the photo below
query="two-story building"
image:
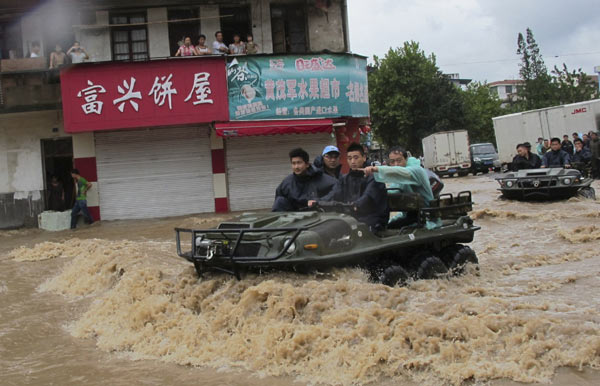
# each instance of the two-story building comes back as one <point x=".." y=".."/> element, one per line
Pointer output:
<point x="163" y="136"/>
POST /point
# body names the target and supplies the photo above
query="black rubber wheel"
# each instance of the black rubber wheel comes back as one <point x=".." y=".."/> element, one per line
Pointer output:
<point x="394" y="275"/>
<point x="457" y="257"/>
<point x="431" y="268"/>
<point x="463" y="174"/>
<point x="587" y="192"/>
<point x="486" y="171"/>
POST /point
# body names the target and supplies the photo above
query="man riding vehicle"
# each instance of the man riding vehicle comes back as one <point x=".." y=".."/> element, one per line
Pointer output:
<point x="525" y="159"/>
<point x="405" y="175"/>
<point x="556" y="157"/>
<point x="329" y="161"/>
<point x="368" y="197"/>
<point x="305" y="183"/>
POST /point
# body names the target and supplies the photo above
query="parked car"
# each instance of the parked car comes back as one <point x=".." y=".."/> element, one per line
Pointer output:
<point x="483" y="158"/>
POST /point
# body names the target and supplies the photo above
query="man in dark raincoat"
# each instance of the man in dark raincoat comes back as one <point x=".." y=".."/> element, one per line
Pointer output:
<point x="305" y="183"/>
<point x="369" y="197"/>
<point x="525" y="159"/>
<point x="329" y="161"/>
<point x="556" y="157"/>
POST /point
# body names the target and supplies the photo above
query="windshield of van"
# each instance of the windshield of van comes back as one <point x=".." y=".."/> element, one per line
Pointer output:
<point x="483" y="149"/>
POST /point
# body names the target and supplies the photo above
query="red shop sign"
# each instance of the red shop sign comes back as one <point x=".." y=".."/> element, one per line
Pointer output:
<point x="117" y="95"/>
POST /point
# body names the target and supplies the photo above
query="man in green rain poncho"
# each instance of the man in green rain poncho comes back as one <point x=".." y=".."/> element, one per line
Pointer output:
<point x="406" y="175"/>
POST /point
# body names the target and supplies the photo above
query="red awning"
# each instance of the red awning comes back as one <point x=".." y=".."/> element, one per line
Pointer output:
<point x="247" y="128"/>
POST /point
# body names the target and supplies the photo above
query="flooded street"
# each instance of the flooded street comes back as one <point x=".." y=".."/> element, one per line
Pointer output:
<point x="113" y="304"/>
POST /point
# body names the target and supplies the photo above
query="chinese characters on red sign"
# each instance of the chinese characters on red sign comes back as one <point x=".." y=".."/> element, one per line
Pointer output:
<point x="108" y="96"/>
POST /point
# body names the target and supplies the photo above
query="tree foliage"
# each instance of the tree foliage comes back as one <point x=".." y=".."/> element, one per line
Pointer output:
<point x="542" y="89"/>
<point x="410" y="98"/>
<point x="480" y="106"/>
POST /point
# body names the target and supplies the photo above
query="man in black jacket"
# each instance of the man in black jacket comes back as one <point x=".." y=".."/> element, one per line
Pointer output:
<point x="329" y="161"/>
<point x="567" y="145"/>
<point x="525" y="159"/>
<point x="582" y="154"/>
<point x="369" y="197"/>
<point x="305" y="183"/>
<point x="556" y="157"/>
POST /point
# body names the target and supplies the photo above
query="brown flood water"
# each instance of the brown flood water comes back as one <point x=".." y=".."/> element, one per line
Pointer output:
<point x="113" y="304"/>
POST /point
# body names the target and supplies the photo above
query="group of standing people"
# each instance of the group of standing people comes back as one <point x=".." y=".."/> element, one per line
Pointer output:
<point x="58" y="58"/>
<point x="238" y="47"/>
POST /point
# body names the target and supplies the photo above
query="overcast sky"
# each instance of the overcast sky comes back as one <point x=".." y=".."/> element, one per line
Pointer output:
<point x="478" y="38"/>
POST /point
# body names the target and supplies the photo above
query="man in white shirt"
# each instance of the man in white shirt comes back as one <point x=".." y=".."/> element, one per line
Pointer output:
<point x="218" y="46"/>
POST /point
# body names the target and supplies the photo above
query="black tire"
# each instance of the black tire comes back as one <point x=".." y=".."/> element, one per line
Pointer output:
<point x="394" y="275"/>
<point x="486" y="171"/>
<point x="587" y="192"/>
<point x="463" y="174"/>
<point x="431" y="268"/>
<point x="457" y="257"/>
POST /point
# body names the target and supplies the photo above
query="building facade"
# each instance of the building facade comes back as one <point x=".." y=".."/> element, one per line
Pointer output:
<point x="161" y="136"/>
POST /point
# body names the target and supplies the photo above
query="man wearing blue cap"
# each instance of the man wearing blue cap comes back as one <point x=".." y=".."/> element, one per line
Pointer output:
<point x="329" y="161"/>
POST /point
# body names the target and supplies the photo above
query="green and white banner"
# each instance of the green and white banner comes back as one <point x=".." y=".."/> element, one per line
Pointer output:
<point x="297" y="86"/>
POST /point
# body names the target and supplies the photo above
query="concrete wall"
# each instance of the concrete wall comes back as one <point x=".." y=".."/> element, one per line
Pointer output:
<point x="326" y="29"/>
<point x="21" y="169"/>
<point x="96" y="41"/>
<point x="158" y="34"/>
<point x="261" y="25"/>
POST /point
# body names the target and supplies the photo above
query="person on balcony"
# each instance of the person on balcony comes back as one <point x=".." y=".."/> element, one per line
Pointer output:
<point x="218" y="46"/>
<point x="77" y="54"/>
<point x="201" y="47"/>
<point x="251" y="47"/>
<point x="35" y="50"/>
<point x="57" y="57"/>
<point x="237" y="47"/>
<point x="187" y="49"/>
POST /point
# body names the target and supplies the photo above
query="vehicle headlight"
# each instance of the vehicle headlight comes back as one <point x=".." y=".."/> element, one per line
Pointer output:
<point x="509" y="184"/>
<point x="292" y="246"/>
<point x="567" y="181"/>
<point x="476" y="159"/>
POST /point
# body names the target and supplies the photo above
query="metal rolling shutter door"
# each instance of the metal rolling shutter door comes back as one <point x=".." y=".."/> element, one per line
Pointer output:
<point x="256" y="165"/>
<point x="154" y="173"/>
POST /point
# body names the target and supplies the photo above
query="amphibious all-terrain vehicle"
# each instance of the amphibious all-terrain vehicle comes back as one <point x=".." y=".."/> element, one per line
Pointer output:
<point x="330" y="236"/>
<point x="545" y="184"/>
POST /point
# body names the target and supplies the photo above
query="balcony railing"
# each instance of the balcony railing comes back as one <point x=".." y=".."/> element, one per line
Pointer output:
<point x="27" y="85"/>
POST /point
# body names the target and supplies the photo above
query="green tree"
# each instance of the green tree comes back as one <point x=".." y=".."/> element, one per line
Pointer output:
<point x="410" y="98"/>
<point x="573" y="86"/>
<point x="480" y="106"/>
<point x="538" y="89"/>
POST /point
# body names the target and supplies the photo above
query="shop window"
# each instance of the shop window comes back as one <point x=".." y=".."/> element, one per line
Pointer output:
<point x="234" y="20"/>
<point x="288" y="27"/>
<point x="129" y="38"/>
<point x="180" y="29"/>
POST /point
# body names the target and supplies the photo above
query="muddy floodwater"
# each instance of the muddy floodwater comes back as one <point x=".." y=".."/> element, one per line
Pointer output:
<point x="112" y="304"/>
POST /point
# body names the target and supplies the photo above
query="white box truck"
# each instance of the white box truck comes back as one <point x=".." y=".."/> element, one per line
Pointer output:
<point x="447" y="152"/>
<point x="528" y="126"/>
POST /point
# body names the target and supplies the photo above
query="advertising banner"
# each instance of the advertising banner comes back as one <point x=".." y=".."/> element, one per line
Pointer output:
<point x="297" y="86"/>
<point x="117" y="95"/>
